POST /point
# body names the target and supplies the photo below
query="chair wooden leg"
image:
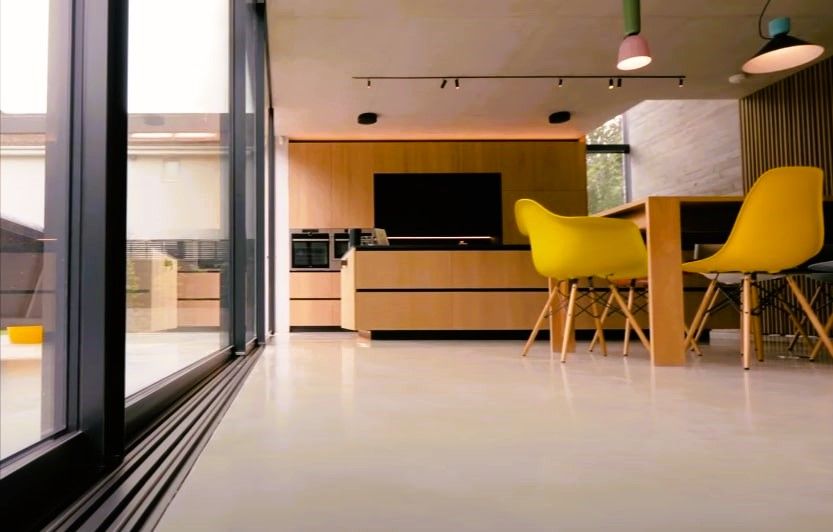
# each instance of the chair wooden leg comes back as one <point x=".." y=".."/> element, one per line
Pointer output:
<point x="547" y="308"/>
<point x="698" y="316"/>
<point x="594" y="307"/>
<point x="629" y="316"/>
<point x="627" y="340"/>
<point x="757" y="328"/>
<point x="705" y="320"/>
<point x="817" y="348"/>
<point x="695" y="346"/>
<point x="746" y="321"/>
<point x="568" y="325"/>
<point x="603" y="318"/>
<point x="799" y="325"/>
<point x="811" y="314"/>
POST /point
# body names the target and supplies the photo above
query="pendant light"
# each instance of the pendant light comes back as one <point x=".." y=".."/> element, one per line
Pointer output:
<point x="782" y="51"/>
<point x="633" y="52"/>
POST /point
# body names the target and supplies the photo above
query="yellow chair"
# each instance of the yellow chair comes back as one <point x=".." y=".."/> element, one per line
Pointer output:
<point x="780" y="225"/>
<point x="571" y="248"/>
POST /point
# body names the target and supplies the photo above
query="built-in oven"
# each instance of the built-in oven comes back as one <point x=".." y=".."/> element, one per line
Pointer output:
<point x="310" y="250"/>
<point x="341" y="244"/>
<point x="322" y="249"/>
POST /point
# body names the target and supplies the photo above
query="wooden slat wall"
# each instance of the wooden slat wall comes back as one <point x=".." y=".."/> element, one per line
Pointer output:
<point x="789" y="123"/>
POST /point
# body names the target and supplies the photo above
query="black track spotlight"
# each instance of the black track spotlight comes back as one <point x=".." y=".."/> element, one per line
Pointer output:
<point x="610" y="83"/>
<point x="368" y="83"/>
<point x="559" y="117"/>
<point x="457" y="84"/>
<point x="680" y="84"/>
<point x="619" y="83"/>
<point x="560" y="83"/>
<point x="443" y="84"/>
<point x="367" y="118"/>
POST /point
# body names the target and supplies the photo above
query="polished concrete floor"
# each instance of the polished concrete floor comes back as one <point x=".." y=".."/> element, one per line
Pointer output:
<point x="149" y="357"/>
<point x="331" y="432"/>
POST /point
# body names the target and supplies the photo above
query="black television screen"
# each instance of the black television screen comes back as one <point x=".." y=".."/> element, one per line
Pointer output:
<point x="438" y="205"/>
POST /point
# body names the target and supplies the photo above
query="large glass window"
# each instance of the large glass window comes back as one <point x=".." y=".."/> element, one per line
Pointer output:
<point x="252" y="154"/>
<point x="34" y="199"/>
<point x="178" y="270"/>
<point x="606" y="183"/>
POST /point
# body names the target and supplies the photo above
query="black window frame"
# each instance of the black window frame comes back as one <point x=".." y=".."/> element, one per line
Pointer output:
<point x="101" y="424"/>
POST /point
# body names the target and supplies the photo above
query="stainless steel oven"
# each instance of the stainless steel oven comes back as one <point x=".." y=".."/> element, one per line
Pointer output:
<point x="322" y="249"/>
<point x="310" y="251"/>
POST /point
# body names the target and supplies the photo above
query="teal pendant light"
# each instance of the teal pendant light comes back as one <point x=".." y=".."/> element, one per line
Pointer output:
<point x="782" y="51"/>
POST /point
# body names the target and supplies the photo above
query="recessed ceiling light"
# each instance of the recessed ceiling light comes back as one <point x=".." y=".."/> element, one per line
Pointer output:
<point x="559" y="117"/>
<point x="367" y="118"/>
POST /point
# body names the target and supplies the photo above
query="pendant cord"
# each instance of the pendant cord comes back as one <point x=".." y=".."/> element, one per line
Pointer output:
<point x="761" y="18"/>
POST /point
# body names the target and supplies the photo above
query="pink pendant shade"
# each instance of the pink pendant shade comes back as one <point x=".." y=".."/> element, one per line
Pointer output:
<point x="633" y="53"/>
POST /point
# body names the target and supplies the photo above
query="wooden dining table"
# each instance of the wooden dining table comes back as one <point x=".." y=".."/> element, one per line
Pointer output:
<point x="672" y="223"/>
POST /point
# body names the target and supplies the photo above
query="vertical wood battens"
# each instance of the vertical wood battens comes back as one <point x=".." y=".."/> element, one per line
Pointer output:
<point x="789" y="123"/>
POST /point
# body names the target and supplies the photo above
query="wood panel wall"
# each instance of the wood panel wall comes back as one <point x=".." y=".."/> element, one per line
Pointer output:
<point x="789" y="123"/>
<point x="331" y="183"/>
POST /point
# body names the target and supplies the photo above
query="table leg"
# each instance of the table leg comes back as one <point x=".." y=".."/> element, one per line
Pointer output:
<point x="665" y="282"/>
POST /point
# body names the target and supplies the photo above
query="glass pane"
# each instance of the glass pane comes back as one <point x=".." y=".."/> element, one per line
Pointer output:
<point x="605" y="181"/>
<point x="34" y="199"/>
<point x="251" y="178"/>
<point x="606" y="186"/>
<point x="178" y="186"/>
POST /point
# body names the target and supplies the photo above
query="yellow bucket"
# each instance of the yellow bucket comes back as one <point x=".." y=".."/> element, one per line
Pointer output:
<point x="25" y="334"/>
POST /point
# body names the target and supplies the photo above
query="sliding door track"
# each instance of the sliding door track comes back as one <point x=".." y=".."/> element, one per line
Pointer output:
<point x="136" y="493"/>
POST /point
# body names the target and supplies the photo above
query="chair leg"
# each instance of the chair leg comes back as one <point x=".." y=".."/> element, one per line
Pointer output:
<point x="705" y="319"/>
<point x="817" y="348"/>
<point x="695" y="346"/>
<point x="603" y="318"/>
<point x="627" y="340"/>
<point x="538" y="323"/>
<point x="629" y="315"/>
<point x="568" y="325"/>
<point x="698" y="317"/>
<point x="746" y="321"/>
<point x="597" y="317"/>
<point x="811" y="314"/>
<point x="757" y="327"/>
<point x="799" y="325"/>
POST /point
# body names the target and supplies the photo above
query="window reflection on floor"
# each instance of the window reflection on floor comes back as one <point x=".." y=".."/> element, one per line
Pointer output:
<point x="150" y="357"/>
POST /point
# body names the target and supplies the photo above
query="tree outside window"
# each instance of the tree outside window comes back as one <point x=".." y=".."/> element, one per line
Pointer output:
<point x="606" y="185"/>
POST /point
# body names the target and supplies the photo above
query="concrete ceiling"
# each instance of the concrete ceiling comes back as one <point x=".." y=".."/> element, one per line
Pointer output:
<point x="316" y="47"/>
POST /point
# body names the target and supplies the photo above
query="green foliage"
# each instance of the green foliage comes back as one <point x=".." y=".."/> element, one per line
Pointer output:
<point x="605" y="171"/>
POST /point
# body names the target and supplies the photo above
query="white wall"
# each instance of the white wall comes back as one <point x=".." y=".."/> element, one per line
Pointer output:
<point x="684" y="147"/>
<point x="176" y="197"/>
<point x="22" y="195"/>
<point x="281" y="198"/>
<point x="169" y="196"/>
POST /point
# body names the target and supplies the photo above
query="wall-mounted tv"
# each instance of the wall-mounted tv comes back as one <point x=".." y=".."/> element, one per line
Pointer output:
<point x="439" y="207"/>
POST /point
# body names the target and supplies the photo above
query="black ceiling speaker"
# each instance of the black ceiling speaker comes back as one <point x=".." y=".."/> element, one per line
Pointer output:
<point x="368" y="118"/>
<point x="559" y="117"/>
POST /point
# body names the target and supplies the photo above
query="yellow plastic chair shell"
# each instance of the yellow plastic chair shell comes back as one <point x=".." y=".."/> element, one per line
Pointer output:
<point x="780" y="225"/>
<point x="568" y="248"/>
<point x="574" y="247"/>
